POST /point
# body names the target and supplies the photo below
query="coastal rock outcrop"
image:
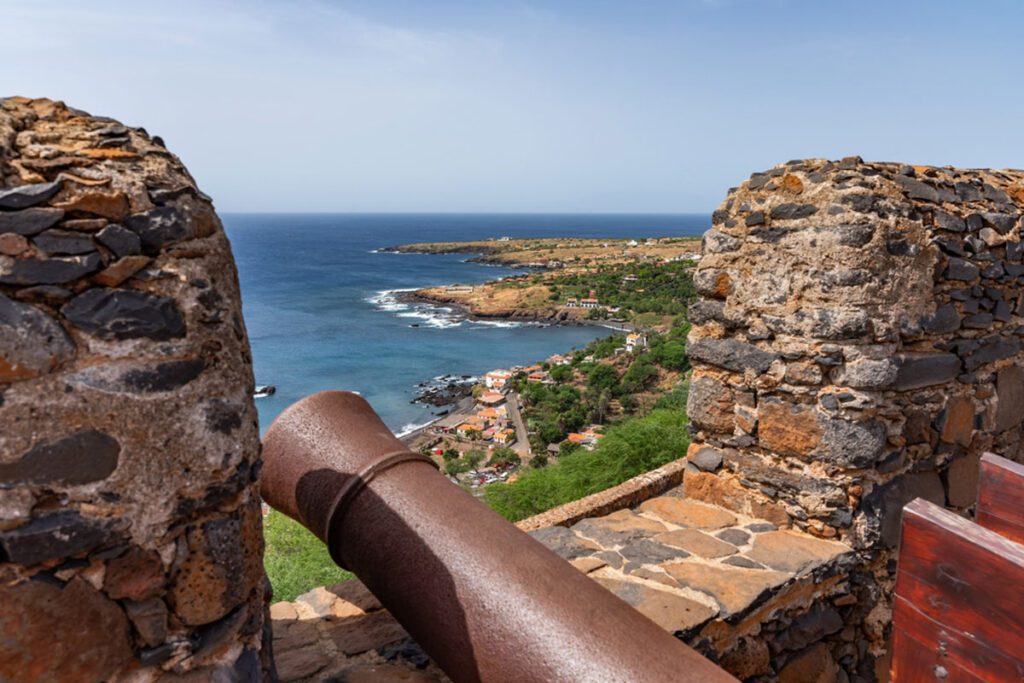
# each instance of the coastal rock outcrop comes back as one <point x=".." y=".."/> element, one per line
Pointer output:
<point x="130" y="525"/>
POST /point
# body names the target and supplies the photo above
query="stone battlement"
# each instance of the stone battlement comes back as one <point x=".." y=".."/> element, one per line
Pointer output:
<point x="130" y="452"/>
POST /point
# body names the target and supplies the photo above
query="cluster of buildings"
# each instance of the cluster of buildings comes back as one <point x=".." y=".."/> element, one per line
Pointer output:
<point x="490" y="423"/>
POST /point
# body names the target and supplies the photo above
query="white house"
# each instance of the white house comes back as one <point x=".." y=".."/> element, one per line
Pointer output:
<point x="497" y="379"/>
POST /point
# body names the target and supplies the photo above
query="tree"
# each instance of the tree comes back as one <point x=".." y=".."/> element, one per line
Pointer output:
<point x="538" y="461"/>
<point x="453" y="468"/>
<point x="450" y="454"/>
<point x="473" y="459"/>
<point x="602" y="377"/>
<point x="561" y="373"/>
<point x="567" y="447"/>
<point x="504" y="456"/>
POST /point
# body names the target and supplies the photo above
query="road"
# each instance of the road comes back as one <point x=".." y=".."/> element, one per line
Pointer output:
<point x="522" y="445"/>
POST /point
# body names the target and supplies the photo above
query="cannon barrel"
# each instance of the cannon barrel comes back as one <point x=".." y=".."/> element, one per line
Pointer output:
<point x="486" y="601"/>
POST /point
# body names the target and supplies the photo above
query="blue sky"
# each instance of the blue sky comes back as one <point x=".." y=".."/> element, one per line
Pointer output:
<point x="645" y="106"/>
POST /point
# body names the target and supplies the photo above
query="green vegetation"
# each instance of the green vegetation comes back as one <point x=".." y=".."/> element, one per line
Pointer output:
<point x="640" y="287"/>
<point x="633" y="446"/>
<point x="296" y="561"/>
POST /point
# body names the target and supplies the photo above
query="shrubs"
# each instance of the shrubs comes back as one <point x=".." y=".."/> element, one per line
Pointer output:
<point x="629" y="448"/>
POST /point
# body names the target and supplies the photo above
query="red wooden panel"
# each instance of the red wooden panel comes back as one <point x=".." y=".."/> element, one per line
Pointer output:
<point x="914" y="662"/>
<point x="1001" y="497"/>
<point x="944" y="647"/>
<point x="966" y="579"/>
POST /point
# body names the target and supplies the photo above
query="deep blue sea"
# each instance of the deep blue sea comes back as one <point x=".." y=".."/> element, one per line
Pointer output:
<point x="320" y="309"/>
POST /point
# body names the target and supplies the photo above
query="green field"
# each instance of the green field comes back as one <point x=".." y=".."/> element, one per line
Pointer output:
<point x="296" y="560"/>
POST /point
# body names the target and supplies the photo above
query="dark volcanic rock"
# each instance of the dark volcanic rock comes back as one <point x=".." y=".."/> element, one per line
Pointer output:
<point x="793" y="211"/>
<point x="158" y="227"/>
<point x="53" y="271"/>
<point x="564" y="542"/>
<point x="731" y="355"/>
<point x="125" y="314"/>
<point x="54" y="536"/>
<point x="164" y="376"/>
<point x="80" y="458"/>
<point x="29" y="221"/>
<point x="918" y="370"/>
<point x="121" y="241"/>
<point x="66" y="242"/>
<point x="23" y="196"/>
<point x="31" y="342"/>
<point x="960" y="269"/>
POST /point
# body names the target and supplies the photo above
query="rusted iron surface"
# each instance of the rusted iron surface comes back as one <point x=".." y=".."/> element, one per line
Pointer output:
<point x="483" y="599"/>
<point x="958" y="605"/>
<point x="1001" y="497"/>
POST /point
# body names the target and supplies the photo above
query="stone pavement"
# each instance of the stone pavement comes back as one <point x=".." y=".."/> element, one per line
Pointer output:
<point x="712" y="577"/>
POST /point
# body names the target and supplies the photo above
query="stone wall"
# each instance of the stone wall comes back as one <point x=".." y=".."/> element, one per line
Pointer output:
<point x="857" y="345"/>
<point x="130" y="526"/>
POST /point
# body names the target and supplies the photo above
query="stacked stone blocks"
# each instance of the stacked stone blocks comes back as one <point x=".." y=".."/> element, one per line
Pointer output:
<point x="130" y="526"/>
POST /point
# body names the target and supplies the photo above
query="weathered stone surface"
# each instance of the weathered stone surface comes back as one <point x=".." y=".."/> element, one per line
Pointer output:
<point x="54" y="633"/>
<point x="788" y="429"/>
<point x="710" y="404"/>
<point x="688" y="513"/>
<point x="355" y="636"/>
<point x="962" y="480"/>
<point x="617" y="528"/>
<point x="867" y="373"/>
<point x="959" y="269"/>
<point x="301" y="663"/>
<point x="792" y="552"/>
<point x="814" y="665"/>
<point x="919" y="370"/>
<point x="670" y="611"/>
<point x="149" y="619"/>
<point x="646" y="551"/>
<point x="121" y="241"/>
<point x="707" y="459"/>
<point x="24" y="196"/>
<point x="53" y="536"/>
<point x="159" y="227"/>
<point x="564" y="542"/>
<point x="223" y="566"/>
<point x="956" y="424"/>
<point x="51" y="271"/>
<point x="121" y="270"/>
<point x="29" y="221"/>
<point x="1010" y="398"/>
<point x="121" y="427"/>
<point x="63" y="242"/>
<point x="137" y="575"/>
<point x="696" y="542"/>
<point x="733" y="588"/>
<point x="884" y="505"/>
<point x="731" y="354"/>
<point x="109" y="204"/>
<point x="12" y="245"/>
<point x="125" y="314"/>
<point x="857" y="444"/>
<point x="31" y="342"/>
<point x="737" y="537"/>
<point x="83" y="457"/>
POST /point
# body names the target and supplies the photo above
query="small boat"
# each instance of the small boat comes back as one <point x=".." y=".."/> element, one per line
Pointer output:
<point x="414" y="325"/>
<point x="263" y="390"/>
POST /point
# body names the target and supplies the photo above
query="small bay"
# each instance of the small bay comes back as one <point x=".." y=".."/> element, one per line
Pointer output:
<point x="322" y="313"/>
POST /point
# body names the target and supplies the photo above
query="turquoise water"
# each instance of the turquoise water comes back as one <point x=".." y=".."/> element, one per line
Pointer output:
<point x="321" y="314"/>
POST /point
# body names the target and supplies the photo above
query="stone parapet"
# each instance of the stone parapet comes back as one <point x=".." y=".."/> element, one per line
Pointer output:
<point x="857" y="344"/>
<point x="130" y="527"/>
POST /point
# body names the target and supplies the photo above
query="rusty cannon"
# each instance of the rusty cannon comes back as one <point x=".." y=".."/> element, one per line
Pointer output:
<point x="484" y="600"/>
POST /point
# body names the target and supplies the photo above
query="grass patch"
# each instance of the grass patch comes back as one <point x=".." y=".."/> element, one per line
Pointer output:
<point x="629" y="448"/>
<point x="295" y="559"/>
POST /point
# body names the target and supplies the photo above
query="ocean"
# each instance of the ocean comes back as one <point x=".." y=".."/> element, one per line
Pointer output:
<point x="320" y="306"/>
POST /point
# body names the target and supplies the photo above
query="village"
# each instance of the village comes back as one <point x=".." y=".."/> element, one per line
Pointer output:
<point x="486" y="439"/>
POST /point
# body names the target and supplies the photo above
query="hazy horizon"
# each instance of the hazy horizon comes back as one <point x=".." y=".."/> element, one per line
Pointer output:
<point x="492" y="107"/>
